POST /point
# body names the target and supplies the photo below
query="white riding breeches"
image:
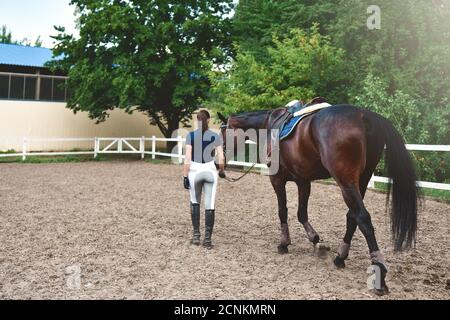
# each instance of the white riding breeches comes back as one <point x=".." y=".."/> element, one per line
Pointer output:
<point x="203" y="176"/>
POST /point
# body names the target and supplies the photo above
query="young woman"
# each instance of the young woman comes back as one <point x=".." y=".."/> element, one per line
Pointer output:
<point x="200" y="173"/>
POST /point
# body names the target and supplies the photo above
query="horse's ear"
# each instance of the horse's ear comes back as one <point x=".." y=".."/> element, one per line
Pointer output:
<point x="222" y="117"/>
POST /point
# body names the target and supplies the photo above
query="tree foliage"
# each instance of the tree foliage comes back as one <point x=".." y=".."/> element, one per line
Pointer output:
<point x="147" y="55"/>
<point x="300" y="66"/>
<point x="7" y="38"/>
<point x="413" y="122"/>
<point x="410" y="54"/>
<point x="257" y="21"/>
<point x="401" y="70"/>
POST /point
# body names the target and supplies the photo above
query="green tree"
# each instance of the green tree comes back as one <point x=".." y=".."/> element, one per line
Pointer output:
<point x="153" y="56"/>
<point x="411" y="51"/>
<point x="401" y="70"/>
<point x="417" y="126"/>
<point x="409" y="54"/>
<point x="399" y="107"/>
<point x="256" y="21"/>
<point x="6" y="37"/>
<point x="301" y="66"/>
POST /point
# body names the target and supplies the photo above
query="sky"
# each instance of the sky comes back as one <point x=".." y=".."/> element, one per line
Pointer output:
<point x="33" y="18"/>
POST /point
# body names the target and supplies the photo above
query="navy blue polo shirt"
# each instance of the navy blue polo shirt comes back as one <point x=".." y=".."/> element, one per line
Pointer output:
<point x="203" y="145"/>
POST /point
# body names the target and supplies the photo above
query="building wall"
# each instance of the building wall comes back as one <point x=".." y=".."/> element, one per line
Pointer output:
<point x="33" y="119"/>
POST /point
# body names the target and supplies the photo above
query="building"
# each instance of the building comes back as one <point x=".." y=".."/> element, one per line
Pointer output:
<point x="32" y="105"/>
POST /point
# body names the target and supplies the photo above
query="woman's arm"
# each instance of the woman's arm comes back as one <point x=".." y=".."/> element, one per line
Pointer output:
<point x="221" y="156"/>
<point x="187" y="160"/>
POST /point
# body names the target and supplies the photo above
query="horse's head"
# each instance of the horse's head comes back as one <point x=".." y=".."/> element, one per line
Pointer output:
<point x="237" y="128"/>
<point x="223" y="132"/>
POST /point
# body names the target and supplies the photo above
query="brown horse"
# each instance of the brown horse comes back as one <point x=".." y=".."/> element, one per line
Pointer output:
<point x="346" y="143"/>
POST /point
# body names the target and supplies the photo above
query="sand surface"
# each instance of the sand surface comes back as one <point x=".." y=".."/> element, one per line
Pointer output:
<point x="124" y="228"/>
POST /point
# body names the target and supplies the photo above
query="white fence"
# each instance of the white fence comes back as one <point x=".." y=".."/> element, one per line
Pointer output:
<point x="113" y="146"/>
<point x="423" y="184"/>
<point x="129" y="146"/>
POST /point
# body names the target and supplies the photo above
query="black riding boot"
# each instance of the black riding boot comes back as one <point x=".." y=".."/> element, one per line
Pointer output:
<point x="209" y="226"/>
<point x="195" y="216"/>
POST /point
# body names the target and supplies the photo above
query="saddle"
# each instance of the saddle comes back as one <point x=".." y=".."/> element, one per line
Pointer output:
<point x="280" y="116"/>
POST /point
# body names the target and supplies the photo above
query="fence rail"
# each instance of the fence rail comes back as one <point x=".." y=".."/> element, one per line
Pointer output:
<point x="117" y="145"/>
<point x="422" y="184"/>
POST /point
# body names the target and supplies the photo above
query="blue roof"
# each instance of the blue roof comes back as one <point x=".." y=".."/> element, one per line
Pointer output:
<point x="18" y="55"/>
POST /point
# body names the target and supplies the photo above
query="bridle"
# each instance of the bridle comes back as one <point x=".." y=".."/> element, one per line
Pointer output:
<point x="232" y="180"/>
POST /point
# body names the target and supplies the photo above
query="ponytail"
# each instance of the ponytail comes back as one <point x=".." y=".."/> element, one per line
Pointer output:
<point x="203" y="116"/>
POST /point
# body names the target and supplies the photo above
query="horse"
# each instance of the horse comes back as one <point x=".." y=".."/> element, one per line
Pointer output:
<point x="346" y="143"/>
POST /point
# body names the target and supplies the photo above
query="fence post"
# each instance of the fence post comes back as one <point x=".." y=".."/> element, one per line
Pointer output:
<point x="24" y="149"/>
<point x="142" y="147"/>
<point x="371" y="183"/>
<point x="119" y="145"/>
<point x="180" y="149"/>
<point x="153" y="147"/>
<point x="96" y="147"/>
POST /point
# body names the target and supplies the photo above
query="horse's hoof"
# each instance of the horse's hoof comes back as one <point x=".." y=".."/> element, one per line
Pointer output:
<point x="381" y="288"/>
<point x="324" y="247"/>
<point x="382" y="291"/>
<point x="283" y="249"/>
<point x="315" y="240"/>
<point x="339" y="262"/>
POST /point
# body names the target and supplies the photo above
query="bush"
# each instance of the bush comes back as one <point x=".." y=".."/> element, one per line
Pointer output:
<point x="413" y="123"/>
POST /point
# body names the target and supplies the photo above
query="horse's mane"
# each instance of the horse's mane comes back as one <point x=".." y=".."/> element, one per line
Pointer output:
<point x="252" y="119"/>
<point x="251" y="113"/>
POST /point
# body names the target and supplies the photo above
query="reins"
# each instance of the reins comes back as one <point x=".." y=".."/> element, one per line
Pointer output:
<point x="232" y="180"/>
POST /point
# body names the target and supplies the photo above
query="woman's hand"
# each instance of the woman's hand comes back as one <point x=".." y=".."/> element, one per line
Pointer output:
<point x="186" y="183"/>
<point x="222" y="174"/>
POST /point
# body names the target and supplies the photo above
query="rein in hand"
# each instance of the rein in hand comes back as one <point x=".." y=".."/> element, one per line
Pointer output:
<point x="232" y="180"/>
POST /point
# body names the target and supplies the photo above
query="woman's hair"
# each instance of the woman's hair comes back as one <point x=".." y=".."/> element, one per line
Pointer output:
<point x="202" y="117"/>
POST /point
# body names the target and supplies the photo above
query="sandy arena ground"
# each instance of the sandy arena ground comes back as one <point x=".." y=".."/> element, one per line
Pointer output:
<point x="126" y="226"/>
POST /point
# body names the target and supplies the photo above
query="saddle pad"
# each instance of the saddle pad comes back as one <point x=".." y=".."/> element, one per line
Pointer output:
<point x="299" y="116"/>
<point x="313" y="108"/>
<point x="290" y="126"/>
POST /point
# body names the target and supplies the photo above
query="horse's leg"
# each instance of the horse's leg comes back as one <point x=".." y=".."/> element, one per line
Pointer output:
<point x="279" y="184"/>
<point x="344" y="246"/>
<point x="353" y="199"/>
<point x="373" y="156"/>
<point x="304" y="190"/>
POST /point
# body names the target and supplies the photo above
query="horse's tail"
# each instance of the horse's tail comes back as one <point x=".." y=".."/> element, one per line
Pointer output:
<point x="400" y="168"/>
